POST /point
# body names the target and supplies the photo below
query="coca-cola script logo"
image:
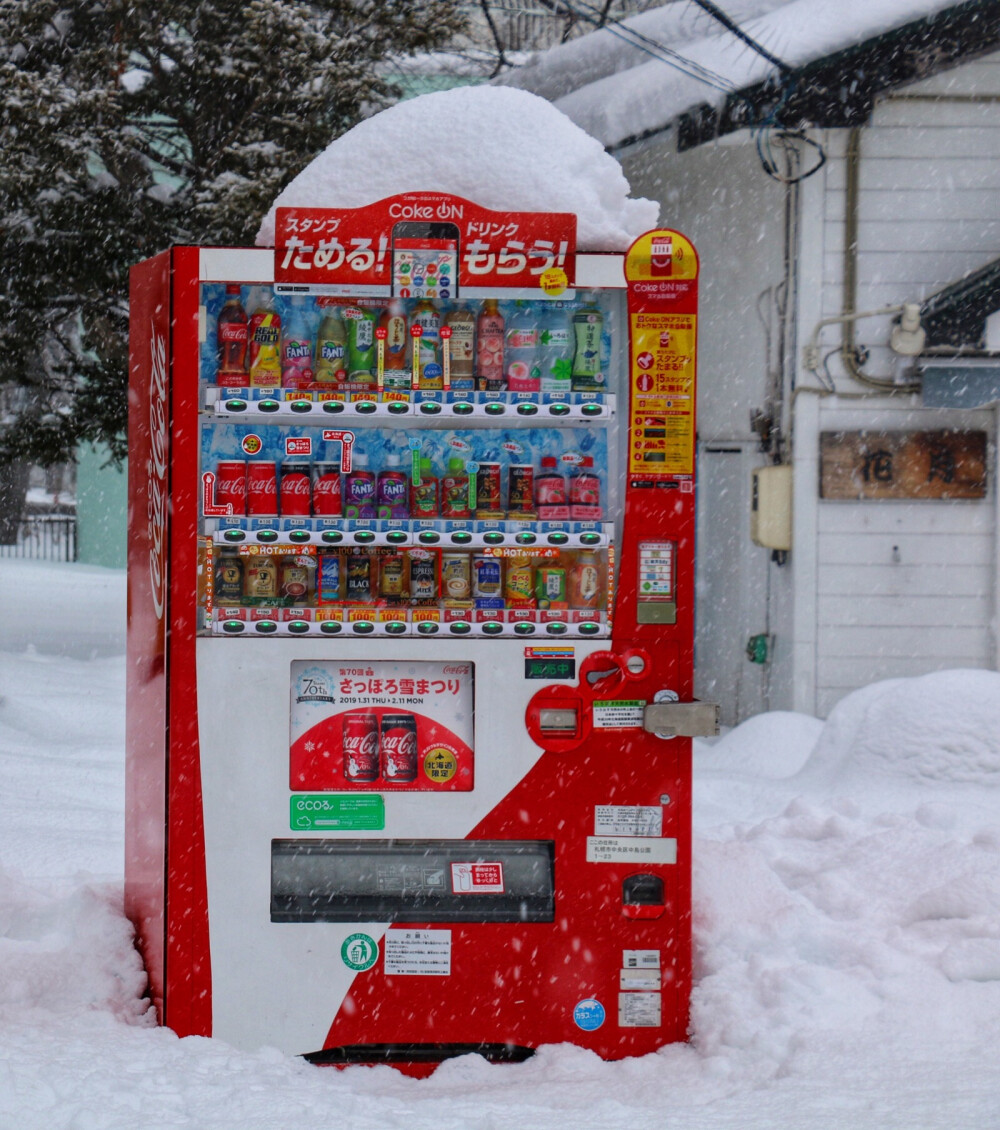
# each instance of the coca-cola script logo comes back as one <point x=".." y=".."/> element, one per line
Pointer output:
<point x="156" y="471"/>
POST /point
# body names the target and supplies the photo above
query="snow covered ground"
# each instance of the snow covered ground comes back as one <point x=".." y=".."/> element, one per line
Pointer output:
<point x="847" y="886"/>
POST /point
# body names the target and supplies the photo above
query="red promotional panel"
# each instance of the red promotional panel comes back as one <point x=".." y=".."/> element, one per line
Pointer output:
<point x="425" y="245"/>
<point x="390" y="726"/>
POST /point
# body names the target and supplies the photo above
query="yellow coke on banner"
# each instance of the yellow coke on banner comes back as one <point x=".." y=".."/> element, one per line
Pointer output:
<point x="661" y="271"/>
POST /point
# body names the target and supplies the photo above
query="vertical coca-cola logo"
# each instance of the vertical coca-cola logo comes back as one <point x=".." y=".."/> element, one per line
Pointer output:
<point x="156" y="470"/>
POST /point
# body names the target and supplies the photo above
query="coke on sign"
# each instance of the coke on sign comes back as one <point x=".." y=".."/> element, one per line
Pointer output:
<point x="262" y="489"/>
<point x="361" y="747"/>
<point x="296" y="490"/>
<point x="399" y="747"/>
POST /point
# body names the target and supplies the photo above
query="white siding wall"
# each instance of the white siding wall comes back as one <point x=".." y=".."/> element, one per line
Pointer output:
<point x="900" y="588"/>
<point x="718" y="196"/>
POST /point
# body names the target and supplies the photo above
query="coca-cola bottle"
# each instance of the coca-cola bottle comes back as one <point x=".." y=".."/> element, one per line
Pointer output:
<point x="232" y="337"/>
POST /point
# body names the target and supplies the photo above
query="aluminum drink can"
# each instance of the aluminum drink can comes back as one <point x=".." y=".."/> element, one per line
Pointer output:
<point x="521" y="488"/>
<point x="489" y="489"/>
<point x="228" y="581"/>
<point x="358" y="578"/>
<point x="326" y="493"/>
<point x="392" y="576"/>
<point x="260" y="580"/>
<point x="296" y="490"/>
<point x="423" y="575"/>
<point x="399" y="747"/>
<point x="262" y="489"/>
<point x="328" y="581"/>
<point x="231" y="485"/>
<point x="486" y="576"/>
<point x="294" y="579"/>
<point x="361" y="747"/>
<point x="456" y="576"/>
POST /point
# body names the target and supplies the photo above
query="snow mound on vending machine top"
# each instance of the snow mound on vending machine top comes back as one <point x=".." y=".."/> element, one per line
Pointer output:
<point x="501" y="148"/>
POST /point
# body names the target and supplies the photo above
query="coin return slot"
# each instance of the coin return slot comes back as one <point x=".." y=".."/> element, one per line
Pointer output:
<point x="559" y="720"/>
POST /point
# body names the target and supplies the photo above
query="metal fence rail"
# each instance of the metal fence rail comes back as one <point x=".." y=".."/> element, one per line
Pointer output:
<point x="44" y="537"/>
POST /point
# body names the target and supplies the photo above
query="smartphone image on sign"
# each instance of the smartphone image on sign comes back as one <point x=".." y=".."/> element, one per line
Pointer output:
<point x="425" y="260"/>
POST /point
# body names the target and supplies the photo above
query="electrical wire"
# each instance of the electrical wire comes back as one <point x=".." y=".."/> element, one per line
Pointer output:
<point x="652" y="47"/>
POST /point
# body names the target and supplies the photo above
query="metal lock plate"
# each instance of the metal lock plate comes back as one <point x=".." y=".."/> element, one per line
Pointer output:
<point x="681" y="719"/>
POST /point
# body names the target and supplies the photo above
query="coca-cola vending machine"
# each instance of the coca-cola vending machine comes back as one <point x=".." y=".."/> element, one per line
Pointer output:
<point x="411" y="537"/>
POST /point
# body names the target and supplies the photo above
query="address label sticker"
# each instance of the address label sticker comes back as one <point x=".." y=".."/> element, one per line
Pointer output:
<point x="628" y="820"/>
<point x="635" y="980"/>
<point x="630" y="849"/>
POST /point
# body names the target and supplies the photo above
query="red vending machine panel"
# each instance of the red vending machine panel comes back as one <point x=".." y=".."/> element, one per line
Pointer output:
<point x="410" y="596"/>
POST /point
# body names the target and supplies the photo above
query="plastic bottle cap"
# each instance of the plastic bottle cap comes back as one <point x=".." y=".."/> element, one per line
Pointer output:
<point x="455" y="464"/>
<point x="548" y="461"/>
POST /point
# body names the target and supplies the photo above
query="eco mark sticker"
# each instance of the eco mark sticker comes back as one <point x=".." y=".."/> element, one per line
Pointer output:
<point x="359" y="952"/>
<point x="589" y="1015"/>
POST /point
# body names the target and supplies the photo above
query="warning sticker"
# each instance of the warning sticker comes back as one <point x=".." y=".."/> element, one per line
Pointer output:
<point x="477" y="878"/>
<point x="639" y="1010"/>
<point x="417" y="953"/>
<point x="628" y="820"/>
<point x="628" y="849"/>
<point x="618" y="714"/>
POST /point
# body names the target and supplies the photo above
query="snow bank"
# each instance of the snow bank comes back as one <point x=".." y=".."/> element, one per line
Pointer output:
<point x="846" y="928"/>
<point x="936" y="730"/>
<point x="503" y="149"/>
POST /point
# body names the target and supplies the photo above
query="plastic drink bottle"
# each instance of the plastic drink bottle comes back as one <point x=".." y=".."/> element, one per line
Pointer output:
<point x="424" y="495"/>
<point x="521" y="352"/>
<point x="585" y="492"/>
<point x="489" y="348"/>
<point x="393" y="321"/>
<point x="555" y="348"/>
<point x="550" y="491"/>
<point x="330" y="355"/>
<point x="428" y="344"/>
<point x="455" y="490"/>
<point x="232" y="336"/>
<point x="463" y="326"/>
<point x="360" y="322"/>
<point x="392" y="494"/>
<point x="265" y="344"/>
<point x="585" y="581"/>
<point x="588" y="324"/>
<point x="359" y="489"/>
<point x="296" y="348"/>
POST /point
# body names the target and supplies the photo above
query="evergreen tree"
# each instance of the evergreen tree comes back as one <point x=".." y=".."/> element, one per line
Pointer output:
<point x="129" y="125"/>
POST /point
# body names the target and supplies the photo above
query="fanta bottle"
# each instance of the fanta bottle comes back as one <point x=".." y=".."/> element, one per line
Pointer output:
<point x="296" y="348"/>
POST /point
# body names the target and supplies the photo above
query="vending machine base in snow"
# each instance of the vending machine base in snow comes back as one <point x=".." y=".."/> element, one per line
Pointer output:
<point x="410" y="636"/>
